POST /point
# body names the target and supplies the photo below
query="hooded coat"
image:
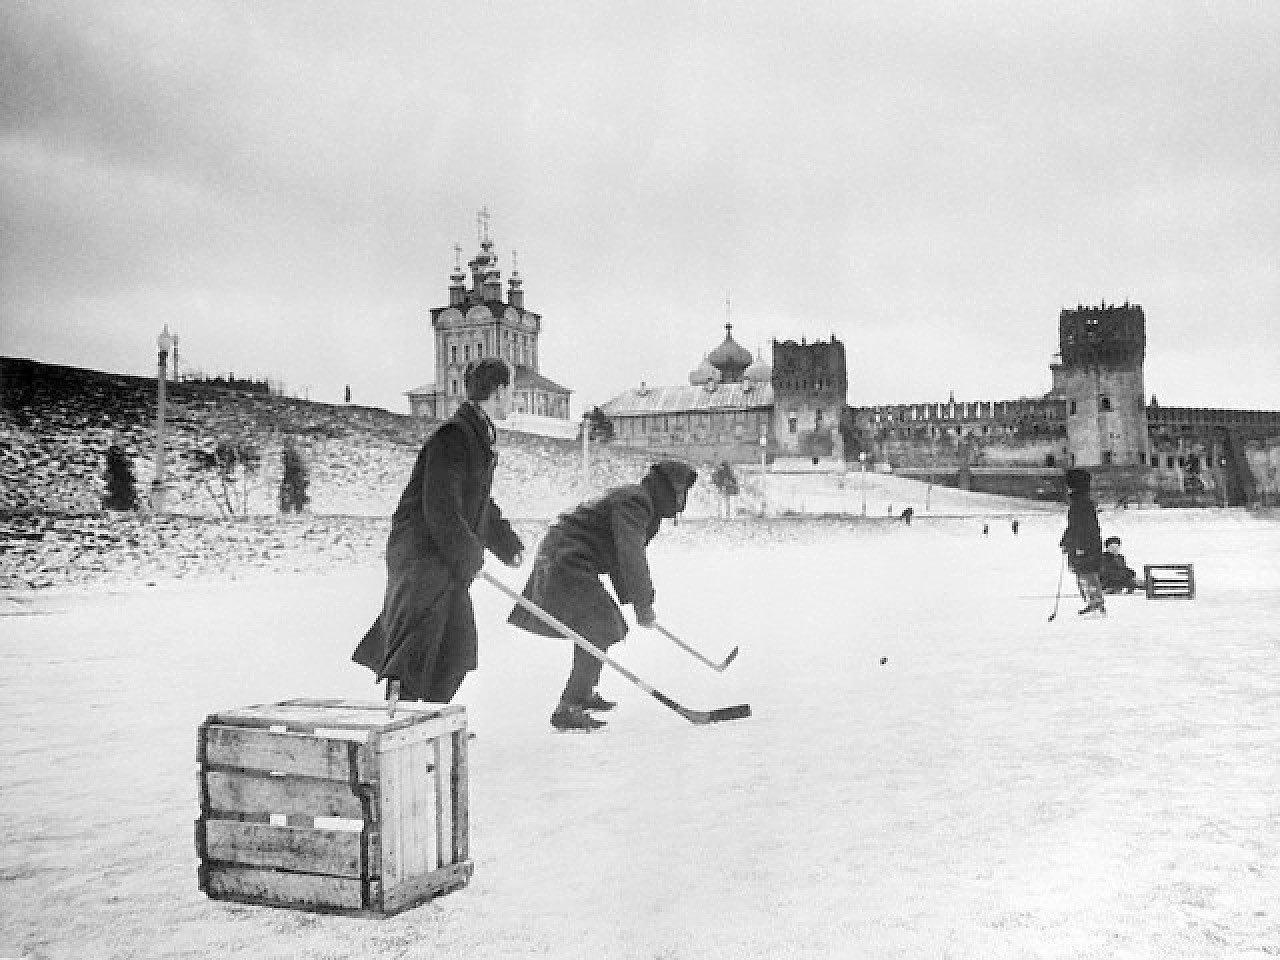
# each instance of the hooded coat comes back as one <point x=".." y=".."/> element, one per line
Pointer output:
<point x="603" y="537"/>
<point x="425" y="635"/>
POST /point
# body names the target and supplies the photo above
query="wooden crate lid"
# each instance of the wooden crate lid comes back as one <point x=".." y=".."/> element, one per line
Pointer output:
<point x="308" y="715"/>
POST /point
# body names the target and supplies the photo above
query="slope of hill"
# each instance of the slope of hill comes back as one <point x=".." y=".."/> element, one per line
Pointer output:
<point x="56" y="424"/>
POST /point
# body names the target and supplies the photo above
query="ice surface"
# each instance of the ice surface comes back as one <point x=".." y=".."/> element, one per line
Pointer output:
<point x="1003" y="787"/>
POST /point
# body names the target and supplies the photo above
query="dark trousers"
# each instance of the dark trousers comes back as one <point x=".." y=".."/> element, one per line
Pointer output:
<point x="1090" y="588"/>
<point x="585" y="673"/>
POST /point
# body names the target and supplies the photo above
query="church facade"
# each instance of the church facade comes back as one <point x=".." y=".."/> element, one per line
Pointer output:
<point x="478" y="322"/>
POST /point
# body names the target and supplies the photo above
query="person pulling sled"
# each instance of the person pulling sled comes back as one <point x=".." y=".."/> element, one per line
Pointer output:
<point x="602" y="537"/>
<point x="1082" y="541"/>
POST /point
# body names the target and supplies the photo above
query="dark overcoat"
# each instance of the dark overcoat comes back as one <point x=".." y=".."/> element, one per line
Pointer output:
<point x="607" y="536"/>
<point x="1082" y="539"/>
<point x="426" y="632"/>
<point x="1114" y="572"/>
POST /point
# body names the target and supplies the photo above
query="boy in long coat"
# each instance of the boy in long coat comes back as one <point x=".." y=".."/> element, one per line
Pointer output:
<point x="1082" y="541"/>
<point x="602" y="537"/>
<point x="424" y="641"/>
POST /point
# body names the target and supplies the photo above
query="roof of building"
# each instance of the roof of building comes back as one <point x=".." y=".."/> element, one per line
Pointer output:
<point x="423" y="391"/>
<point x="527" y="377"/>
<point x="725" y="396"/>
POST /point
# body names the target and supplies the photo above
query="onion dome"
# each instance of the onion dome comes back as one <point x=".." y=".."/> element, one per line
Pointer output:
<point x="759" y="372"/>
<point x="704" y="374"/>
<point x="730" y="358"/>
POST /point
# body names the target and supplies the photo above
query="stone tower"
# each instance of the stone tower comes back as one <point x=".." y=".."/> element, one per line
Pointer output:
<point x="1100" y="377"/>
<point x="810" y="387"/>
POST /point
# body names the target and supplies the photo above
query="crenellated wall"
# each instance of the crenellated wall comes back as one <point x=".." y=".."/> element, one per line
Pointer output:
<point x="1027" y="433"/>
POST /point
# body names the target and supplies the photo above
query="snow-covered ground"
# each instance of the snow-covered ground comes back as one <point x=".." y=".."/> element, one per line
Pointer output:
<point x="1004" y="787"/>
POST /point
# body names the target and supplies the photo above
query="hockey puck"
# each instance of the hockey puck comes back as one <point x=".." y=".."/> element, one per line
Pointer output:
<point x="883" y="661"/>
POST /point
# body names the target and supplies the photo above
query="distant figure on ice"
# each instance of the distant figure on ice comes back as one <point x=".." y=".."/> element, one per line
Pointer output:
<point x="1114" y="575"/>
<point x="606" y="536"/>
<point x="424" y="642"/>
<point x="1014" y="527"/>
<point x="907" y="514"/>
<point x="726" y="482"/>
<point x="986" y="528"/>
<point x="1082" y="542"/>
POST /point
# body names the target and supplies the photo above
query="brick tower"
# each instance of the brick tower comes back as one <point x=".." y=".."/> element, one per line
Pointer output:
<point x="1100" y="376"/>
<point x="810" y="387"/>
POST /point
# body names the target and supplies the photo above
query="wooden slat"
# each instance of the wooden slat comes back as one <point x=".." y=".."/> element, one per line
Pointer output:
<point x="443" y="844"/>
<point x="415" y="805"/>
<point x="415" y="707"/>
<point x="389" y="740"/>
<point x="460" y="799"/>
<point x="280" y="888"/>
<point x="249" y="793"/>
<point x="301" y="754"/>
<point x="306" y="718"/>
<point x="417" y="890"/>
<point x="393" y="828"/>
<point x="300" y="849"/>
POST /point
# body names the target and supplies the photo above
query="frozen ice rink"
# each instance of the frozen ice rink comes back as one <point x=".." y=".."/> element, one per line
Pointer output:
<point x="1003" y="787"/>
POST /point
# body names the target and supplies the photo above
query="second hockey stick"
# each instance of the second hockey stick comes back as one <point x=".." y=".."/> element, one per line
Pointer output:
<point x="718" y="667"/>
<point x="736" y="712"/>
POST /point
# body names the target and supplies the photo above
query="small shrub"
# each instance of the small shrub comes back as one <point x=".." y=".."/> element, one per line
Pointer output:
<point x="122" y="488"/>
<point x="293" y="482"/>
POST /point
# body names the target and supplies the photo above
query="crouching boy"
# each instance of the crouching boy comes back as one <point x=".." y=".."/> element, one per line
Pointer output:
<point x="602" y="537"/>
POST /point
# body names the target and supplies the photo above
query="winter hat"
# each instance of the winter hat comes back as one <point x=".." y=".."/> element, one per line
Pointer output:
<point x="669" y="482"/>
<point x="1110" y="540"/>
<point x="1077" y="479"/>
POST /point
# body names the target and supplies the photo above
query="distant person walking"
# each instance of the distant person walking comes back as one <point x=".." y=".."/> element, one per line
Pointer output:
<point x="602" y="537"/>
<point x="424" y="641"/>
<point x="1014" y="527"/>
<point x="1082" y="541"/>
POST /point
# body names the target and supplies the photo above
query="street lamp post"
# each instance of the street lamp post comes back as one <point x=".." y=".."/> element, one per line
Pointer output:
<point x="164" y="343"/>
<point x="586" y="440"/>
<point x="862" y="458"/>
<point x="764" y="443"/>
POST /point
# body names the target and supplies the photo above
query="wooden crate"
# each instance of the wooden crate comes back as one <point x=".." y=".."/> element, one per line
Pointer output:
<point x="1170" y="580"/>
<point x="331" y="805"/>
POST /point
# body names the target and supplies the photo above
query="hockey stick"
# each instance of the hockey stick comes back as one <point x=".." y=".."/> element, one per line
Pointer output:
<point x="718" y="667"/>
<point x="1058" y="596"/>
<point x="693" y="716"/>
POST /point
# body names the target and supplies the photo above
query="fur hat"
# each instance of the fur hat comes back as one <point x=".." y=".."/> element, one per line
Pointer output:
<point x="1077" y="480"/>
<point x="669" y="482"/>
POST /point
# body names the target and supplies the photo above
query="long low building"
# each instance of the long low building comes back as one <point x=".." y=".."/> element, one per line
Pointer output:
<point x="736" y="408"/>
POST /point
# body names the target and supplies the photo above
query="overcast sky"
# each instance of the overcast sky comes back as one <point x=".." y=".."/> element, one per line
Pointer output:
<point x="283" y="183"/>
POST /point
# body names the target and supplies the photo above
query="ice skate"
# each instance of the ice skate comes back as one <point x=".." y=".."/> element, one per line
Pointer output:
<point x="571" y="716"/>
<point x="598" y="703"/>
